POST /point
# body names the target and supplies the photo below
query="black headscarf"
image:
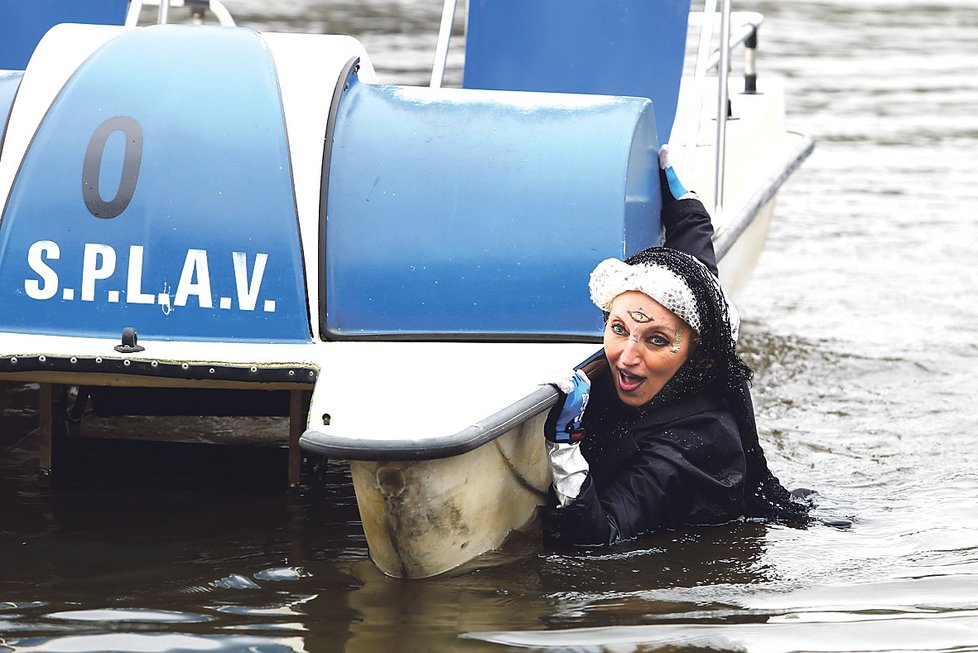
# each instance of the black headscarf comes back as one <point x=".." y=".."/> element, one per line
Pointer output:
<point x="715" y="367"/>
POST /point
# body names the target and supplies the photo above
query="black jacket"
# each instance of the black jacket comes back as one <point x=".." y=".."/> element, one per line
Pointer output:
<point x="690" y="230"/>
<point x="680" y="464"/>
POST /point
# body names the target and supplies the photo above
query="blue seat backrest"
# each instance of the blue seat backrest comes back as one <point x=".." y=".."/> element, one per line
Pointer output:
<point x="24" y="22"/>
<point x="613" y="47"/>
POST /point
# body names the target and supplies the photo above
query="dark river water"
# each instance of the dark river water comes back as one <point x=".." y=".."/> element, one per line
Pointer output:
<point x="862" y="322"/>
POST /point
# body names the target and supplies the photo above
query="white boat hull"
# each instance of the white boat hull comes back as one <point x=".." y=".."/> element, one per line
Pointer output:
<point x="423" y="518"/>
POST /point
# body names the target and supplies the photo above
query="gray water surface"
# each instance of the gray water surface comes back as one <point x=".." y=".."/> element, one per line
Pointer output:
<point x="861" y="321"/>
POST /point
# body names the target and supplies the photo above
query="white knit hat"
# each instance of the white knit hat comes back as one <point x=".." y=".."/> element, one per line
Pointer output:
<point x="611" y="277"/>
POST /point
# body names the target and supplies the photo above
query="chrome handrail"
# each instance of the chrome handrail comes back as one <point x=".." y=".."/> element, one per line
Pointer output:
<point x="699" y="74"/>
<point x="723" y="96"/>
<point x="441" y="48"/>
<point x="720" y="61"/>
<point x="216" y="7"/>
<point x="749" y="21"/>
<point x="728" y="233"/>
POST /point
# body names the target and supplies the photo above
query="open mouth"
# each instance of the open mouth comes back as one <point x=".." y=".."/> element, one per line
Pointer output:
<point x="629" y="382"/>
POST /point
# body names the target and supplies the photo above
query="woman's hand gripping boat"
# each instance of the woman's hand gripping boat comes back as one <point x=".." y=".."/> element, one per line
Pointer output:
<point x="407" y="264"/>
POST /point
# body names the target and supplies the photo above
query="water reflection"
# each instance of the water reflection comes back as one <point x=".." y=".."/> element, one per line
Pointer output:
<point x="528" y="589"/>
<point x="827" y="632"/>
<point x="158" y="643"/>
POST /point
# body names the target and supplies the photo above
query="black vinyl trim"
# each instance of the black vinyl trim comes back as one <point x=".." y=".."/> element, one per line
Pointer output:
<point x="395" y="336"/>
<point x="724" y="240"/>
<point x="342" y="84"/>
<point x="469" y="438"/>
<point x="299" y="374"/>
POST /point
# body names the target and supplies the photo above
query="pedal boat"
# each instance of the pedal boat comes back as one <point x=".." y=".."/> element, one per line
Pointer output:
<point x="222" y="212"/>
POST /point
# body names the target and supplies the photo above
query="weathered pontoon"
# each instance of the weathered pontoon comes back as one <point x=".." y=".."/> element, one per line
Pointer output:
<point x="400" y="266"/>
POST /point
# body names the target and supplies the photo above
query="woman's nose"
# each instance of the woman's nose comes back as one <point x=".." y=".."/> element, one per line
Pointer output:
<point x="630" y="353"/>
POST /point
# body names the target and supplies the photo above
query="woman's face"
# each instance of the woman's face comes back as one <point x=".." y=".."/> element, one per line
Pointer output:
<point x="645" y="345"/>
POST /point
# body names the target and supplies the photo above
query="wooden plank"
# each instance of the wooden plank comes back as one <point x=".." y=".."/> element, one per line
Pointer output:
<point x="45" y="445"/>
<point x="298" y="415"/>
<point x="52" y="431"/>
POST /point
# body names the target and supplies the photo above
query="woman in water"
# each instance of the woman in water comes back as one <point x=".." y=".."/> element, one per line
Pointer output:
<point x="664" y="434"/>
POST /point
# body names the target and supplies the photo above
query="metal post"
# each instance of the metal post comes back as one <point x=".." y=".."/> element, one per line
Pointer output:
<point x="298" y="416"/>
<point x="132" y="15"/>
<point x="723" y="95"/>
<point x="51" y="429"/>
<point x="45" y="444"/>
<point x="220" y="12"/>
<point x="441" y="49"/>
<point x="750" y="62"/>
<point x="164" y="14"/>
<point x="699" y="75"/>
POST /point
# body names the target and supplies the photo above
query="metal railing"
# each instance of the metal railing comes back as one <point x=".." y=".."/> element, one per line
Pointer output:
<point x="719" y="60"/>
<point x="441" y="48"/>
<point x="198" y="9"/>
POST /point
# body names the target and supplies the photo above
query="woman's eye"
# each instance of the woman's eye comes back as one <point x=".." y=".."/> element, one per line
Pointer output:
<point x="618" y="329"/>
<point x="657" y="340"/>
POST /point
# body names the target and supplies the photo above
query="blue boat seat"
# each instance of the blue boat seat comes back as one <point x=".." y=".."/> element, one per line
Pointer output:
<point x="625" y="47"/>
<point x="477" y="214"/>
<point x="24" y="22"/>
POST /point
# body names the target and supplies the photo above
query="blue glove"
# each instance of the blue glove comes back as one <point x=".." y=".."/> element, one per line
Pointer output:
<point x="672" y="189"/>
<point x="564" y="423"/>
